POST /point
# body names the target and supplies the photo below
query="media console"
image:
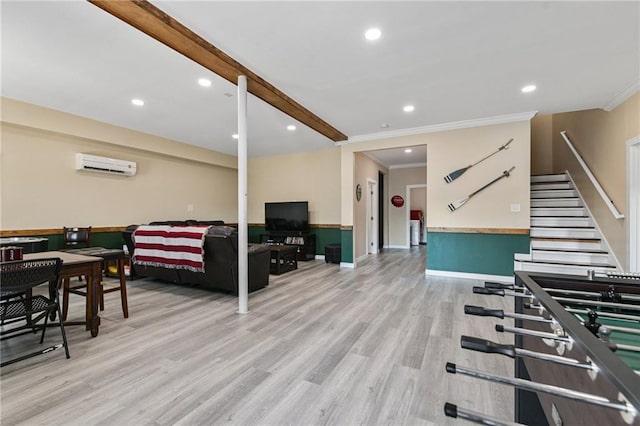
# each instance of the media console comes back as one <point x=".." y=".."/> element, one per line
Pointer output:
<point x="305" y="242"/>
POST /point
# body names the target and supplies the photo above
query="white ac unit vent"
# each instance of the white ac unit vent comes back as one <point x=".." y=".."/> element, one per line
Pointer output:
<point x="94" y="163"/>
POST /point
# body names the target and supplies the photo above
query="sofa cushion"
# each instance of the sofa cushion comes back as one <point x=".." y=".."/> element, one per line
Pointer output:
<point x="225" y="231"/>
<point x="169" y="222"/>
<point x="193" y="222"/>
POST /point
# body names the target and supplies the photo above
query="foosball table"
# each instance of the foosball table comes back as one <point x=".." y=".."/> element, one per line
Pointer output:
<point x="576" y="349"/>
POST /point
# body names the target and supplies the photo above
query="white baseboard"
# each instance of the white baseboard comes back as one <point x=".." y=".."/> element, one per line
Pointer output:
<point x="319" y="256"/>
<point x="470" y="276"/>
<point x="347" y="265"/>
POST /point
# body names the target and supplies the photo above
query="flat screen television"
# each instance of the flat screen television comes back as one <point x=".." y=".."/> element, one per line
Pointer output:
<point x="290" y="216"/>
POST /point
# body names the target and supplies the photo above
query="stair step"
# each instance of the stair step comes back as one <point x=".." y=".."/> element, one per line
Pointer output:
<point x="559" y="177"/>
<point x="556" y="202"/>
<point x="553" y="193"/>
<point x="573" y="256"/>
<point x="558" y="211"/>
<point x="565" y="222"/>
<point x="551" y="232"/>
<point x="560" y="268"/>
<point x="550" y="185"/>
<point x="565" y="243"/>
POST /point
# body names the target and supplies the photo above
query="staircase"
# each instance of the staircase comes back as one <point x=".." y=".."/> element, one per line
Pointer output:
<point x="564" y="239"/>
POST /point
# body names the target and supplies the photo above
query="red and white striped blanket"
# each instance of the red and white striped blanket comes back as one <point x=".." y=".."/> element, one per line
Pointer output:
<point x="175" y="247"/>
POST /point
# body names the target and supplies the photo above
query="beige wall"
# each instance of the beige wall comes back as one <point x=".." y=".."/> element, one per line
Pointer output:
<point x="365" y="169"/>
<point x="308" y="176"/>
<point x="600" y="138"/>
<point x="542" y="145"/>
<point x="419" y="199"/>
<point x="450" y="150"/>
<point x="398" y="181"/>
<point x="41" y="188"/>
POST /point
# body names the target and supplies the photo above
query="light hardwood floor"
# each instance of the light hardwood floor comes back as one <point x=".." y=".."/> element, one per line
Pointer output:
<point x="320" y="346"/>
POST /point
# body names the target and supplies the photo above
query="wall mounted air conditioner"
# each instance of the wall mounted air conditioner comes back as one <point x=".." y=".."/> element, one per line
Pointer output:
<point x="94" y="163"/>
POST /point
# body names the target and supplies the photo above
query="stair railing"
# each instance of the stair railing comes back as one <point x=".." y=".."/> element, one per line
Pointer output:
<point x="592" y="178"/>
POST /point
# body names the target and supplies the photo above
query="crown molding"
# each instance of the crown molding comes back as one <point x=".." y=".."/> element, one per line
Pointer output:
<point x="621" y="97"/>
<point x="407" y="166"/>
<point x="476" y="122"/>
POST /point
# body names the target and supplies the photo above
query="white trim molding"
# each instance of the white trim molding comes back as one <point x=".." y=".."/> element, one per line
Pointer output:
<point x="407" y="166"/>
<point x="633" y="203"/>
<point x="621" y="97"/>
<point x="470" y="276"/>
<point x="347" y="265"/>
<point x="465" y="124"/>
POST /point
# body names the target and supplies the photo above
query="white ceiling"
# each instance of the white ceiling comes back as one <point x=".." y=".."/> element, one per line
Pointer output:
<point x="454" y="61"/>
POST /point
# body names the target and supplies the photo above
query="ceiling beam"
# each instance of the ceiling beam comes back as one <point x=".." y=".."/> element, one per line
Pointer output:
<point x="157" y="24"/>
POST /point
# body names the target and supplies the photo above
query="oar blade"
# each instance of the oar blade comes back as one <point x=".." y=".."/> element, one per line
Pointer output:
<point x="455" y="174"/>
<point x="457" y="204"/>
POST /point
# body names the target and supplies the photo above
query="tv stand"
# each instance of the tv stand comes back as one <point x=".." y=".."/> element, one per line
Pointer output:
<point x="305" y="242"/>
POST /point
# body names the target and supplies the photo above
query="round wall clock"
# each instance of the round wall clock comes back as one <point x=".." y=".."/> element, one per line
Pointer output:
<point x="358" y="192"/>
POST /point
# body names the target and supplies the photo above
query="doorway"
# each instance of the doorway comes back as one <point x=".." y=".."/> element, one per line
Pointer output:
<point x="380" y="210"/>
<point x="419" y="195"/>
<point x="372" y="217"/>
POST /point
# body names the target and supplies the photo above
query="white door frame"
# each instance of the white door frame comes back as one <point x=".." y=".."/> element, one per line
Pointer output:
<point x="633" y="198"/>
<point x="371" y="240"/>
<point x="408" y="210"/>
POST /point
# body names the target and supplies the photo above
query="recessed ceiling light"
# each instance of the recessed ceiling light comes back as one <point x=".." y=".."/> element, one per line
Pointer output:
<point x="291" y="127"/>
<point x="384" y="125"/>
<point x="408" y="108"/>
<point x="137" y="102"/>
<point x="372" y="34"/>
<point x="235" y="136"/>
<point x="204" y="82"/>
<point x="408" y="150"/>
<point x="528" y="89"/>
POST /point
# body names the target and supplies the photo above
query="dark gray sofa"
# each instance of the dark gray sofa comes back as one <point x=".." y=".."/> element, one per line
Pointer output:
<point x="220" y="260"/>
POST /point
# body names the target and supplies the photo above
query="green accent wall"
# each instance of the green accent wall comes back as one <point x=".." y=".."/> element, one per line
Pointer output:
<point x="490" y="254"/>
<point x="347" y="245"/>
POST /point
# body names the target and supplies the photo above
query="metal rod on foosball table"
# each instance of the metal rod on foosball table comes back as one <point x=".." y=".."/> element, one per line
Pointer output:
<point x="627" y="330"/>
<point x="499" y="313"/>
<point x="543" y="388"/>
<point x="452" y="410"/>
<point x="590" y="293"/>
<point x="487" y="346"/>
<point x="598" y="303"/>
<point x="526" y="332"/>
<point x="603" y="314"/>
<point x="501" y="292"/>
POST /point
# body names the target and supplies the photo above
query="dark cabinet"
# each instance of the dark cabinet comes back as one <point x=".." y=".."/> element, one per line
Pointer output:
<point x="306" y="243"/>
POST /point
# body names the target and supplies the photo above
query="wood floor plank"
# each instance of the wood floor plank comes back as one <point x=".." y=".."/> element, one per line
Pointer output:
<point x="320" y="346"/>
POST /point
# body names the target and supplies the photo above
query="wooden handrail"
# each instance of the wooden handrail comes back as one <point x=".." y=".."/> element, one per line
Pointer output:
<point x="592" y="178"/>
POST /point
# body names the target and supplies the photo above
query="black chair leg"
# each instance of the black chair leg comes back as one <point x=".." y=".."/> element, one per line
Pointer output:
<point x="64" y="334"/>
<point x="44" y="327"/>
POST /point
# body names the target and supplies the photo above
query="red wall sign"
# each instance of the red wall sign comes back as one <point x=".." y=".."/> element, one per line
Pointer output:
<point x="397" y="201"/>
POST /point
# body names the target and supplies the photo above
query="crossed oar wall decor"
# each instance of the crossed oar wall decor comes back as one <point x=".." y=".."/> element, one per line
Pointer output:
<point x="457" y="204"/>
<point x="457" y="173"/>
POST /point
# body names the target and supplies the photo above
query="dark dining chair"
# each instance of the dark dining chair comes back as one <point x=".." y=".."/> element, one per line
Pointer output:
<point x="77" y="237"/>
<point x="17" y="282"/>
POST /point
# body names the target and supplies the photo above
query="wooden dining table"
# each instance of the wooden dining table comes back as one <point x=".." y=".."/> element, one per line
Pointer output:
<point x="74" y="265"/>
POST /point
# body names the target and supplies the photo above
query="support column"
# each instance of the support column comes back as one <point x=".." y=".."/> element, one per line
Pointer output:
<point x="243" y="228"/>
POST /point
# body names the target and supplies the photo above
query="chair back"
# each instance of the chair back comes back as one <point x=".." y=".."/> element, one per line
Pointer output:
<point x="22" y="275"/>
<point x="77" y="237"/>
